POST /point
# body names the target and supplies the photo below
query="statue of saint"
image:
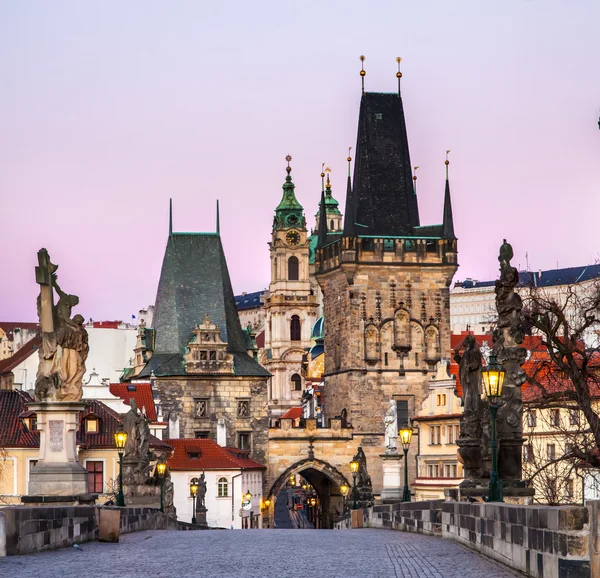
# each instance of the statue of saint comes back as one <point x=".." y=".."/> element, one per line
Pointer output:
<point x="391" y="427"/>
<point x="64" y="340"/>
<point x="469" y="371"/>
<point x="138" y="434"/>
<point x="201" y="496"/>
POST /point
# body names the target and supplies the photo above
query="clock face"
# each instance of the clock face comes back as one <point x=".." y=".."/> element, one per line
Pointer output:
<point x="293" y="237"/>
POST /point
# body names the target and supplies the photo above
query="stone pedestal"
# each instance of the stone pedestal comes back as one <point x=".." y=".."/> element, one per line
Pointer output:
<point x="357" y="519"/>
<point x="391" y="491"/>
<point x="201" y="516"/>
<point x="57" y="472"/>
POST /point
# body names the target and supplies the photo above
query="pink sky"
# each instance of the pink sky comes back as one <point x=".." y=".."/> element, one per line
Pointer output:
<point x="107" y="109"/>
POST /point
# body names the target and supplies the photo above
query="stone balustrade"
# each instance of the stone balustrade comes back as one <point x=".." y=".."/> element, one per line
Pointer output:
<point x="540" y="541"/>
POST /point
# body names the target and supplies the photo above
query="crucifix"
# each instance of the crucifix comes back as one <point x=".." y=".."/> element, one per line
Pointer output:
<point x="43" y="276"/>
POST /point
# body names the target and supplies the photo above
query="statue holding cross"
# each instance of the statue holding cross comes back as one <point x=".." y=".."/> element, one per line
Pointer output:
<point x="64" y="339"/>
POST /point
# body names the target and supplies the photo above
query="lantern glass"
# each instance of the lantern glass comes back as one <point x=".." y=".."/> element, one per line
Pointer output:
<point x="344" y="490"/>
<point x="248" y="496"/>
<point x="354" y="466"/>
<point x="292" y="480"/>
<point x="193" y="489"/>
<point x="493" y="378"/>
<point x="267" y="503"/>
<point x="120" y="438"/>
<point x="161" y="468"/>
<point x="405" y="436"/>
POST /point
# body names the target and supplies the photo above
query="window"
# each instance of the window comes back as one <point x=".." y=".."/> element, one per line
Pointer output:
<point x="568" y="448"/>
<point x="433" y="471"/>
<point x="385" y="358"/>
<point x="388" y="245"/>
<point x="193" y="455"/>
<point x="551" y="451"/>
<point x="532" y="418"/>
<point x="243" y="408"/>
<point x="201" y="435"/>
<point x="574" y="417"/>
<point x="441" y="399"/>
<point x="212" y="355"/>
<point x="295" y="328"/>
<point x="203" y="355"/>
<point x="528" y="453"/>
<point x="201" y="408"/>
<point x="555" y="417"/>
<point x="32" y="423"/>
<point x="95" y="477"/>
<point x="435" y="435"/>
<point x="402" y="412"/>
<point x="222" y="488"/>
<point x="293" y="269"/>
<point x="457" y="432"/>
<point x="450" y="434"/>
<point x="570" y="487"/>
<point x="244" y="441"/>
<point x="91" y="426"/>
<point x="331" y="225"/>
<point x="296" y="382"/>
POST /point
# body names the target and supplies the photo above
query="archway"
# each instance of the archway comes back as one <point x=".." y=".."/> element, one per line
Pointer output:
<point x="327" y="483"/>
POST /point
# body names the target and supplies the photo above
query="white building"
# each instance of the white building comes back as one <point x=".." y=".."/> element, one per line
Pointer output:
<point x="230" y="474"/>
<point x="473" y="303"/>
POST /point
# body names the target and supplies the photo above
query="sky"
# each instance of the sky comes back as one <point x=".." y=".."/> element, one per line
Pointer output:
<point x="108" y="109"/>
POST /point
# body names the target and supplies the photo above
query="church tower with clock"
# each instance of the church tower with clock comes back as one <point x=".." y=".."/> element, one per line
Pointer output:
<point x="291" y="305"/>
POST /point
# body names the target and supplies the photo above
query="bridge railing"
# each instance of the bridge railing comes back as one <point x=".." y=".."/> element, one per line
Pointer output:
<point x="540" y="541"/>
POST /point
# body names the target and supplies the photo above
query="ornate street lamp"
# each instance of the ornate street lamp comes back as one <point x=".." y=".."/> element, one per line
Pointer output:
<point x="405" y="437"/>
<point x="194" y="493"/>
<point x="248" y="497"/>
<point x="161" y="469"/>
<point x="313" y="502"/>
<point x="120" y="440"/>
<point x="493" y="380"/>
<point x="292" y="480"/>
<point x="344" y="490"/>
<point x="304" y="486"/>
<point x="354" y="468"/>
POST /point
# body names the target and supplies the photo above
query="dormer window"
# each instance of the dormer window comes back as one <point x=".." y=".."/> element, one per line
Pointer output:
<point x="194" y="455"/>
<point x="91" y="425"/>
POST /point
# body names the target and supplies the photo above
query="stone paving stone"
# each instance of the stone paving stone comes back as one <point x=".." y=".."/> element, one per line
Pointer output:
<point x="261" y="554"/>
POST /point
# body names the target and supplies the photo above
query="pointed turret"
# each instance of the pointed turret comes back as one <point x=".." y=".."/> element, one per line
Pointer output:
<point x="289" y="212"/>
<point x="322" y="232"/>
<point x="448" y="222"/>
<point x="218" y="221"/>
<point x="170" y="217"/>
<point x="349" y="228"/>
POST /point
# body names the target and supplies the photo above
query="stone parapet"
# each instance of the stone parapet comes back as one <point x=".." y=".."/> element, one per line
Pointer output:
<point x="24" y="530"/>
<point x="540" y="541"/>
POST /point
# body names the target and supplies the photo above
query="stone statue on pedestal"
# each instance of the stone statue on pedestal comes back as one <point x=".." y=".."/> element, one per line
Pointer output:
<point x="390" y="422"/>
<point x="64" y="340"/>
<point x="364" y="486"/>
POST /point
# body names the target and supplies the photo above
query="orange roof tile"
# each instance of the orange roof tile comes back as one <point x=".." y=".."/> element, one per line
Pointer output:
<point x="292" y="413"/>
<point x="141" y="392"/>
<point x="211" y="456"/>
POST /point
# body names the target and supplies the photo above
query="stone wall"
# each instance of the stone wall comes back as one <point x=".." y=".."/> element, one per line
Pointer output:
<point x="540" y="541"/>
<point x="24" y="529"/>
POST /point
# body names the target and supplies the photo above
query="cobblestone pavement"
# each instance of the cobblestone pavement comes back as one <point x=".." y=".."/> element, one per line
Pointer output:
<point x="262" y="554"/>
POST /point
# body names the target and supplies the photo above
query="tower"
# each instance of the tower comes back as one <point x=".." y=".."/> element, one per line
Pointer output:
<point x="385" y="281"/>
<point x="291" y="306"/>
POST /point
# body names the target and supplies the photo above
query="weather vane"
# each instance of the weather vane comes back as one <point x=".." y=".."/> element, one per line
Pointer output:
<point x="363" y="72"/>
<point x="447" y="162"/>
<point x="398" y="74"/>
<point x="288" y="158"/>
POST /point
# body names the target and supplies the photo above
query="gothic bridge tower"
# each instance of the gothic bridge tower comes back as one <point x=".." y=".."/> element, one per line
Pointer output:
<point x="291" y="306"/>
<point x="385" y="280"/>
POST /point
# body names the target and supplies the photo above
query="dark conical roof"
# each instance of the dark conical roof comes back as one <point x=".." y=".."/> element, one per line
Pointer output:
<point x="383" y="200"/>
<point x="448" y="222"/>
<point x="194" y="282"/>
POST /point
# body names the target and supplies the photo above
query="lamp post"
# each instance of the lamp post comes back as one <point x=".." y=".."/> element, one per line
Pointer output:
<point x="354" y="468"/>
<point x="493" y="380"/>
<point x="405" y="437"/>
<point x="120" y="440"/>
<point x="161" y="469"/>
<point x="194" y="493"/>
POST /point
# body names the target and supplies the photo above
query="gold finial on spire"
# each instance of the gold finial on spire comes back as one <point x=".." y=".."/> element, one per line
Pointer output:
<point x="447" y="162"/>
<point x="398" y="74"/>
<point x="328" y="185"/>
<point x="363" y="72"/>
<point x="415" y="178"/>
<point x="288" y="158"/>
<point x="322" y="177"/>
<point x="349" y="160"/>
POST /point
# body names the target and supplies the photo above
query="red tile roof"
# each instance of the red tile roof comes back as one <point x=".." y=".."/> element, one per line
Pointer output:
<point x="10" y="326"/>
<point x="13" y="432"/>
<point x="211" y="456"/>
<point x="8" y="364"/>
<point x="142" y="395"/>
<point x="260" y="339"/>
<point x="292" y="413"/>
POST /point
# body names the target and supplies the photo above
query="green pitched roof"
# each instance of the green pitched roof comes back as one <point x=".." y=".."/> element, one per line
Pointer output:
<point x="289" y="212"/>
<point x="194" y="282"/>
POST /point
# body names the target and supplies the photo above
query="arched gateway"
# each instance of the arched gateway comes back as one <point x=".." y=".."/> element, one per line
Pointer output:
<point x="327" y="482"/>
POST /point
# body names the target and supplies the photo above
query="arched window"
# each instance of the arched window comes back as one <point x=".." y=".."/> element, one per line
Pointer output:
<point x="296" y="382"/>
<point x="223" y="488"/>
<point x="293" y="269"/>
<point x="331" y="226"/>
<point x="295" y="328"/>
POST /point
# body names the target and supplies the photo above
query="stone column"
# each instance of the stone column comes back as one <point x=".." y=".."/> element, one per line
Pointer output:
<point x="58" y="473"/>
<point x="391" y="492"/>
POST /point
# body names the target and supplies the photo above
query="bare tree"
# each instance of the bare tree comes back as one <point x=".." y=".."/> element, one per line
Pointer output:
<point x="565" y="376"/>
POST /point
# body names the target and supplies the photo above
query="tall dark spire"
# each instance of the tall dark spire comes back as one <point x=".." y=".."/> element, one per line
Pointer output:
<point x="448" y="222"/>
<point x="218" y="221"/>
<point x="322" y="231"/>
<point x="170" y="217"/>
<point x="383" y="200"/>
<point x="349" y="228"/>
